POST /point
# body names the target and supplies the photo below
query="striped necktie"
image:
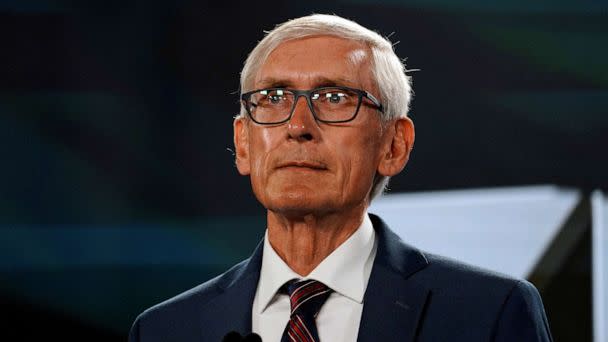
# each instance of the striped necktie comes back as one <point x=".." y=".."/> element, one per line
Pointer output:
<point x="306" y="297"/>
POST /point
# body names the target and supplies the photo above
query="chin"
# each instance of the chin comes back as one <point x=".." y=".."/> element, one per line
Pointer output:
<point x="297" y="202"/>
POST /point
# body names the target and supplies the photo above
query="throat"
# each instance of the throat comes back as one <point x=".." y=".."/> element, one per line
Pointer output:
<point x="304" y="244"/>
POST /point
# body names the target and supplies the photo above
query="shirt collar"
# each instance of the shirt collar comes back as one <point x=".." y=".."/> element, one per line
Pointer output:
<point x="346" y="270"/>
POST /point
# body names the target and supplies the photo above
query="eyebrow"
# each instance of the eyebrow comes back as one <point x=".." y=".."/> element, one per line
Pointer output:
<point x="320" y="81"/>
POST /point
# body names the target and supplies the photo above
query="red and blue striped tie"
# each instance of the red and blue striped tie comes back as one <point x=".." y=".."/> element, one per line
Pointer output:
<point x="306" y="297"/>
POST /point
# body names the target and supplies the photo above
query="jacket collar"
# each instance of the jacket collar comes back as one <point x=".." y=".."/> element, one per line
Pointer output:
<point x="393" y="302"/>
<point x="237" y="290"/>
<point x="395" y="254"/>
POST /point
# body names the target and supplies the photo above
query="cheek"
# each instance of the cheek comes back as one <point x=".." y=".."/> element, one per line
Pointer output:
<point x="359" y="161"/>
<point x="263" y="142"/>
<point x="267" y="136"/>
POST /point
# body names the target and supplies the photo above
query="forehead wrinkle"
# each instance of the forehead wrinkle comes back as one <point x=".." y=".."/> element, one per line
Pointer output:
<point x="315" y="81"/>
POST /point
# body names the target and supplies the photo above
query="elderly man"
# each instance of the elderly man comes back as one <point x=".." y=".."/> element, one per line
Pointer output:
<point x="323" y="125"/>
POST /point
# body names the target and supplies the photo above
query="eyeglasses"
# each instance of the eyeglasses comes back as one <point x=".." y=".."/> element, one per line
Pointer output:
<point x="274" y="106"/>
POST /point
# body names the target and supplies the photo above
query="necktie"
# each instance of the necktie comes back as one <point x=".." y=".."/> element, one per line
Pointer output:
<point x="306" y="297"/>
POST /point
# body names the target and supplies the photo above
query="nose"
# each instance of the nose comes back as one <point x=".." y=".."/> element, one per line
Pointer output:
<point x="302" y="125"/>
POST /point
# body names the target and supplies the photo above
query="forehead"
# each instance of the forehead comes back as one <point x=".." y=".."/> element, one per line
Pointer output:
<point x="317" y="61"/>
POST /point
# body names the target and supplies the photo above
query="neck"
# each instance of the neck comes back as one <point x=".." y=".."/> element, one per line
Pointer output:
<point x="306" y="240"/>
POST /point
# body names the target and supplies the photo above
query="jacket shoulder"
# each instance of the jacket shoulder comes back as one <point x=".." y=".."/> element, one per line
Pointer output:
<point x="180" y="309"/>
<point x="201" y="293"/>
<point x="444" y="271"/>
<point x="480" y="291"/>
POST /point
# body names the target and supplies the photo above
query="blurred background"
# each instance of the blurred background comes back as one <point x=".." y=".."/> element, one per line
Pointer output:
<point x="118" y="187"/>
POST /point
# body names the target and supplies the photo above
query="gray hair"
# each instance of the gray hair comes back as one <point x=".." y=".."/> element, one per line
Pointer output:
<point x="388" y="70"/>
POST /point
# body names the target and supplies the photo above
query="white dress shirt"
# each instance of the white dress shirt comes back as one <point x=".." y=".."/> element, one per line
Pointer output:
<point x="346" y="271"/>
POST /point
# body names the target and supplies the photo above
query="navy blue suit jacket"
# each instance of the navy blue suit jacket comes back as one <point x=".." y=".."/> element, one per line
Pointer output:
<point x="411" y="296"/>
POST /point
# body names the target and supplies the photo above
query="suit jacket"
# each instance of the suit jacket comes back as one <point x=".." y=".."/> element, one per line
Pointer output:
<point x="411" y="296"/>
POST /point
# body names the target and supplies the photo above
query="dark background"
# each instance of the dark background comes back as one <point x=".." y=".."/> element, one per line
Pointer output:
<point x="117" y="183"/>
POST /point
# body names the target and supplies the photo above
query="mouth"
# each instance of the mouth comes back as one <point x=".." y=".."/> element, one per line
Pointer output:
<point x="303" y="165"/>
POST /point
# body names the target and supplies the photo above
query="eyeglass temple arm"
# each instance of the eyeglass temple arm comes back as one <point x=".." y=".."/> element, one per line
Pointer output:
<point x="375" y="101"/>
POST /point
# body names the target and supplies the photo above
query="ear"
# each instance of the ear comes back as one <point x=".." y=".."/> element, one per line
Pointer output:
<point x="241" y="145"/>
<point x="398" y="145"/>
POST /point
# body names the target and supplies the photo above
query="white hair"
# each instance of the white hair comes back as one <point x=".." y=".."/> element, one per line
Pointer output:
<point x="388" y="70"/>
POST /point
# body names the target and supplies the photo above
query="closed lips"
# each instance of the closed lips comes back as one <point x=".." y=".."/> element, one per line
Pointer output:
<point x="303" y="164"/>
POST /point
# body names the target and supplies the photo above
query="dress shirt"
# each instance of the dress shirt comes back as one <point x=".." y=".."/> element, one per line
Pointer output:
<point x="346" y="271"/>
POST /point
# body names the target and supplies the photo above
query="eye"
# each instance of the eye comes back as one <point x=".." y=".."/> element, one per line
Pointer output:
<point x="335" y="97"/>
<point x="274" y="96"/>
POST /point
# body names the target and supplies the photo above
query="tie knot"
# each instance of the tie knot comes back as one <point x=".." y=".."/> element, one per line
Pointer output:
<point x="307" y="296"/>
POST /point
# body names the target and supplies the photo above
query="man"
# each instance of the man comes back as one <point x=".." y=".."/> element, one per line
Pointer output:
<point x="323" y="125"/>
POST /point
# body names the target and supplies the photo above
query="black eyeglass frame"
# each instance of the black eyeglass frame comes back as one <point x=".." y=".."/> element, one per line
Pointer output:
<point x="246" y="97"/>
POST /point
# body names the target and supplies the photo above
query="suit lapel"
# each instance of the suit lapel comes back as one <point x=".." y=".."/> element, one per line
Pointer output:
<point x="231" y="310"/>
<point x="393" y="304"/>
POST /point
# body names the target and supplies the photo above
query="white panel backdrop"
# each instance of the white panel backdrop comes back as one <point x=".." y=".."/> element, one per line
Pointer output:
<point x="502" y="229"/>
<point x="599" y="210"/>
